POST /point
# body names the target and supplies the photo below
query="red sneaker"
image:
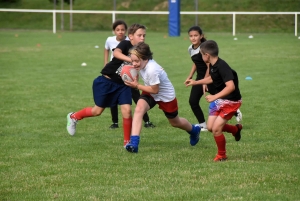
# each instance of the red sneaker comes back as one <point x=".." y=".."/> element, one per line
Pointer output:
<point x="220" y="158"/>
<point x="237" y="136"/>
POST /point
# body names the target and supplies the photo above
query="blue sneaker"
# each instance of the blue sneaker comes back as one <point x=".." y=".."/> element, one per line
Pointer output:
<point x="195" y="134"/>
<point x="131" y="148"/>
<point x="133" y="145"/>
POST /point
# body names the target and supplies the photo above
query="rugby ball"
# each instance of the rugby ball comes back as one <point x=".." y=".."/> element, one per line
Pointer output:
<point x="129" y="73"/>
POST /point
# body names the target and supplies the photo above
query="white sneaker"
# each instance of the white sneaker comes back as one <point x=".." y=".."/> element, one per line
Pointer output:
<point x="239" y="116"/>
<point x="71" y="124"/>
<point x="203" y="129"/>
<point x="203" y="126"/>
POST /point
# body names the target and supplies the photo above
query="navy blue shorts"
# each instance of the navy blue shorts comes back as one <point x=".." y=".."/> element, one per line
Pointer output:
<point x="108" y="93"/>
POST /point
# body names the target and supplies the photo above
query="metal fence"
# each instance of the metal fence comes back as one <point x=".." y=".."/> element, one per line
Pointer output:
<point x="113" y="13"/>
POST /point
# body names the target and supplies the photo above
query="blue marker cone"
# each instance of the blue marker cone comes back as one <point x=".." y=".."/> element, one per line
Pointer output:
<point x="248" y="78"/>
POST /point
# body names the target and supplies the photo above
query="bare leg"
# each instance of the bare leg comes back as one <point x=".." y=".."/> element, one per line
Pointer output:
<point x="141" y="108"/>
<point x="181" y="123"/>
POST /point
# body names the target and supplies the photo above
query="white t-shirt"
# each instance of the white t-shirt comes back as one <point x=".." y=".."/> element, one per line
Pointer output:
<point x="111" y="43"/>
<point x="154" y="74"/>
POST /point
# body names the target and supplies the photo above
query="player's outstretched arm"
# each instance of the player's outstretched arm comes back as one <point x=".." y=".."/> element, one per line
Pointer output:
<point x="193" y="70"/>
<point x="191" y="82"/>
<point x="119" y="55"/>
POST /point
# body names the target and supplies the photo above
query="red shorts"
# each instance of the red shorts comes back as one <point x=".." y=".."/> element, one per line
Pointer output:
<point x="168" y="107"/>
<point x="224" y="108"/>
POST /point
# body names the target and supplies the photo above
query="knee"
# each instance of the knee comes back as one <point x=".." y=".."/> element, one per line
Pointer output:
<point x="139" y="110"/>
<point x="126" y="111"/>
<point x="96" y="111"/>
<point x="210" y="130"/>
<point x="216" y="131"/>
<point x="173" y="124"/>
<point x="192" y="102"/>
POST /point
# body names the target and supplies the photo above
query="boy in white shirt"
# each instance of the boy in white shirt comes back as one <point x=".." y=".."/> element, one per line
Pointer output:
<point x="157" y="89"/>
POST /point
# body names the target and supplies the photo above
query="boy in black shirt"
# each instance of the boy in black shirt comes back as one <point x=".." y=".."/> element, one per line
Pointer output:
<point x="225" y="102"/>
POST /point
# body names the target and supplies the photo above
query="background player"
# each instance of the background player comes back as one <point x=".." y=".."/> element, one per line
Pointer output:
<point x="196" y="37"/>
<point x="120" y="28"/>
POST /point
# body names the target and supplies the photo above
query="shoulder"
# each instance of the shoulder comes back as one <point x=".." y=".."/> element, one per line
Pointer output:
<point x="223" y="67"/>
<point x="222" y="63"/>
<point x="153" y="63"/>
<point x="153" y="66"/>
<point x="111" y="42"/>
<point x="193" y="51"/>
<point x="125" y="43"/>
<point x="124" y="46"/>
<point x="111" y="38"/>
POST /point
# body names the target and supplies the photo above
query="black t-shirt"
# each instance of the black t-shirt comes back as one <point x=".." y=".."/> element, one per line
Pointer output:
<point x="196" y="57"/>
<point x="221" y="73"/>
<point x="200" y="65"/>
<point x="113" y="68"/>
<point x="201" y="71"/>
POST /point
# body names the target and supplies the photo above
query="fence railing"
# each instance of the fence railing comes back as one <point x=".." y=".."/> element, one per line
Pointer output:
<point x="113" y="13"/>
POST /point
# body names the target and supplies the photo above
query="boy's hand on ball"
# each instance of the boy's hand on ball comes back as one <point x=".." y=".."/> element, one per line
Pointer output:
<point x="132" y="84"/>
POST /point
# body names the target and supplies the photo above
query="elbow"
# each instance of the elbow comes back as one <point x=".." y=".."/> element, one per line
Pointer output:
<point x="232" y="89"/>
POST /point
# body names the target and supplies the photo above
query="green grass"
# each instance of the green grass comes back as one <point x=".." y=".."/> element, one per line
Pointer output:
<point x="209" y="23"/>
<point x="39" y="85"/>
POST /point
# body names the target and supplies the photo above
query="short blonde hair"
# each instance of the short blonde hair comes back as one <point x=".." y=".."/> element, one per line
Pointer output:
<point x="142" y="51"/>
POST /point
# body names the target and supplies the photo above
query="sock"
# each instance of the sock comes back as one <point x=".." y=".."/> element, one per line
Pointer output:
<point x="230" y="129"/>
<point x="135" y="140"/>
<point x="85" y="112"/>
<point x="127" y="124"/>
<point x="221" y="144"/>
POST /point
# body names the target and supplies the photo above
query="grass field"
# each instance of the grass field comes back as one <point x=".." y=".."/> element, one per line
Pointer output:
<point x="42" y="80"/>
